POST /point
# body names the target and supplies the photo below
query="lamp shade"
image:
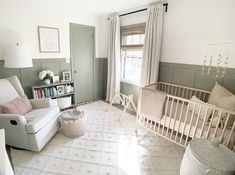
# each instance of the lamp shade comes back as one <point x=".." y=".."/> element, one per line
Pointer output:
<point x="18" y="56"/>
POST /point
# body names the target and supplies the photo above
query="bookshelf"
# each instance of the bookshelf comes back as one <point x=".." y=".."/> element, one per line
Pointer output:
<point x="55" y="91"/>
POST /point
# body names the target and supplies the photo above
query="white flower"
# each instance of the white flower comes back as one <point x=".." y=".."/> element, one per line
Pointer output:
<point x="42" y="74"/>
<point x="51" y="74"/>
<point x="45" y="74"/>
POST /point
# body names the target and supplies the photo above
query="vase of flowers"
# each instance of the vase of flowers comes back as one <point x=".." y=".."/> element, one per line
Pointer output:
<point x="46" y="76"/>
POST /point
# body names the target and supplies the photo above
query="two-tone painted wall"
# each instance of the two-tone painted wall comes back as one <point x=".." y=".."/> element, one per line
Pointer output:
<point x="188" y="27"/>
<point x="57" y="65"/>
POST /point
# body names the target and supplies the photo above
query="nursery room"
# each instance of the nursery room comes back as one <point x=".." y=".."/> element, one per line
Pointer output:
<point x="128" y="87"/>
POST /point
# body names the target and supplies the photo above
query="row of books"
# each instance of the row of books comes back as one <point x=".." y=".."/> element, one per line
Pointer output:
<point x="45" y="92"/>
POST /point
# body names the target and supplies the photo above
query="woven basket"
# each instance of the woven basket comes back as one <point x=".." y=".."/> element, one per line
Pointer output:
<point x="73" y="123"/>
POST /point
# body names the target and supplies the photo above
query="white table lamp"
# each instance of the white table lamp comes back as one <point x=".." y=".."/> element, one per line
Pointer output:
<point x="18" y="56"/>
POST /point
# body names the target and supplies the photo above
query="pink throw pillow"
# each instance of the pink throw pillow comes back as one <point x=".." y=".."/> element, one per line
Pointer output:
<point x="28" y="105"/>
<point x="18" y="106"/>
<point x="10" y="108"/>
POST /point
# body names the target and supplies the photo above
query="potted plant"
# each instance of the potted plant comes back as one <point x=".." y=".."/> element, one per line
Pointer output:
<point x="46" y="76"/>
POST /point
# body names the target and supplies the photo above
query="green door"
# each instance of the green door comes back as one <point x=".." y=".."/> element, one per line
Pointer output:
<point x="82" y="61"/>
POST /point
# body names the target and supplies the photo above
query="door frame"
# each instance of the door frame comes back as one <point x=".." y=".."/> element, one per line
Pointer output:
<point x="94" y="53"/>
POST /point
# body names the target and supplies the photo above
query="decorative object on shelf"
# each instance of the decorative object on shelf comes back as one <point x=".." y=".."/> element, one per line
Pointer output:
<point x="56" y="79"/>
<point x="49" y="39"/>
<point x="217" y="54"/>
<point x="60" y="90"/>
<point x="18" y="56"/>
<point x="64" y="102"/>
<point x="66" y="76"/>
<point x="46" y="76"/>
<point x="67" y="88"/>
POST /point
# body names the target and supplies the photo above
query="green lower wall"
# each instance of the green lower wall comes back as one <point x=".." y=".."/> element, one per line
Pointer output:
<point x="30" y="75"/>
<point x="101" y="68"/>
<point x="187" y="75"/>
<point x="191" y="75"/>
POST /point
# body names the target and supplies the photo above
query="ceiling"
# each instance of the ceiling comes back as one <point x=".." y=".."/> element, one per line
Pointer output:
<point x="97" y="7"/>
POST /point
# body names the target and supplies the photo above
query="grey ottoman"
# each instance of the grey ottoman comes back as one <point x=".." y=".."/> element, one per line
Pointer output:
<point x="207" y="157"/>
<point x="73" y="123"/>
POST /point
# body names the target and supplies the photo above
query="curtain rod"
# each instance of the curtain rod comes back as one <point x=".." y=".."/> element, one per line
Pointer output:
<point x="129" y="13"/>
<point x="125" y="14"/>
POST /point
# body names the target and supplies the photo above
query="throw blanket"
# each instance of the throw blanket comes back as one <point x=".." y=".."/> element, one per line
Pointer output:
<point x="152" y="103"/>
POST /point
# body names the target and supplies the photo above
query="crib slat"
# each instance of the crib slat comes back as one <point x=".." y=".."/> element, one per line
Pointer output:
<point x="174" y="119"/>
<point x="181" y="111"/>
<point x="200" y="95"/>
<point x="186" y="116"/>
<point x="190" y="124"/>
<point x="198" y="116"/>
<point x="170" y="116"/>
<point x="217" y="124"/>
<point x="187" y="93"/>
<point x="168" y="98"/>
<point x="203" y="123"/>
<point x="204" y="97"/>
<point x="209" y="127"/>
<point x="165" y="87"/>
<point x="172" y="90"/>
<point x="230" y="134"/>
<point x="183" y="93"/>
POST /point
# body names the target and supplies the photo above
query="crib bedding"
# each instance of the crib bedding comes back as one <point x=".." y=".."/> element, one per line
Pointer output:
<point x="183" y="127"/>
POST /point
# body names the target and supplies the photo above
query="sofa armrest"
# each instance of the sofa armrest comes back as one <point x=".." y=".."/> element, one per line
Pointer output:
<point x="12" y="119"/>
<point x="14" y="126"/>
<point x="41" y="103"/>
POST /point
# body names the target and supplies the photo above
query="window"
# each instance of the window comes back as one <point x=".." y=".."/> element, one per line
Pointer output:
<point x="132" y="42"/>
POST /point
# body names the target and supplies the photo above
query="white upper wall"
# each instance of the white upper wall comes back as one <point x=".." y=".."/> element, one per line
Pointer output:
<point x="19" y="20"/>
<point x="189" y="25"/>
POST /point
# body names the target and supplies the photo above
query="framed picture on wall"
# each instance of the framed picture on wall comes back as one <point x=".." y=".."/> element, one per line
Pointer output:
<point x="66" y="76"/>
<point x="49" y="39"/>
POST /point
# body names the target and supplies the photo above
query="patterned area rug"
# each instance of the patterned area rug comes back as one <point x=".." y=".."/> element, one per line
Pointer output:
<point x="109" y="147"/>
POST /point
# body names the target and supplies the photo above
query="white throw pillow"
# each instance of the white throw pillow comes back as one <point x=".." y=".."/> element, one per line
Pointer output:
<point x="203" y="110"/>
<point x="220" y="95"/>
<point x="223" y="98"/>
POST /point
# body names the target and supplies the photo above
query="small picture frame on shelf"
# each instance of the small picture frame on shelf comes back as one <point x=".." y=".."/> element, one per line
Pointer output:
<point x="60" y="90"/>
<point x="66" y="76"/>
<point x="56" y="79"/>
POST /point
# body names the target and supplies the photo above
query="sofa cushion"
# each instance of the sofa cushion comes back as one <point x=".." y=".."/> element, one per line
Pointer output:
<point x="38" y="118"/>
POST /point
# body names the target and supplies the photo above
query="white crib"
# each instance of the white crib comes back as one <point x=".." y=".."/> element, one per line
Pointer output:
<point x="179" y="125"/>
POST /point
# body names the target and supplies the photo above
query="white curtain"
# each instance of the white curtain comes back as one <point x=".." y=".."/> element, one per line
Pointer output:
<point x="152" y="45"/>
<point x="113" y="81"/>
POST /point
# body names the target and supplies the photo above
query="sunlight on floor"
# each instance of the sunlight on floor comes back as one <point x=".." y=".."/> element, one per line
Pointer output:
<point x="107" y="148"/>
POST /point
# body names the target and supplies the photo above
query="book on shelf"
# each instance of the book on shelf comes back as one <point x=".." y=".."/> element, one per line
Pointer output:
<point x="45" y="92"/>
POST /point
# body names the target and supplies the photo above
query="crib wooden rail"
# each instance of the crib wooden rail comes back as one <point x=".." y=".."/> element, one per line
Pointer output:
<point x="184" y="119"/>
<point x="183" y="91"/>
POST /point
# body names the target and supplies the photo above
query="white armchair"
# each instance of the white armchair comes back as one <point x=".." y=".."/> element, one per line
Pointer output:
<point x="33" y="130"/>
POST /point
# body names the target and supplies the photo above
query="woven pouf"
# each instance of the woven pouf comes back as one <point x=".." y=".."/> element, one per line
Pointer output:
<point x="73" y="123"/>
<point x="207" y="157"/>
